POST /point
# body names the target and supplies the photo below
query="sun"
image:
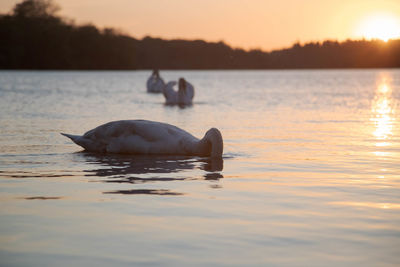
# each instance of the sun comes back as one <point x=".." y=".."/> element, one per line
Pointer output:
<point x="379" y="26"/>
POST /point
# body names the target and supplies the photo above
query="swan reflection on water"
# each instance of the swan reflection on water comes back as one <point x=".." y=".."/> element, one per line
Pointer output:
<point x="140" y="169"/>
<point x="160" y="192"/>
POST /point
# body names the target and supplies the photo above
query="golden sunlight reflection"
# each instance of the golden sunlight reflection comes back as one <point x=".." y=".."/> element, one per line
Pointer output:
<point x="383" y="120"/>
<point x="383" y="112"/>
<point x="381" y="153"/>
<point x="369" y="205"/>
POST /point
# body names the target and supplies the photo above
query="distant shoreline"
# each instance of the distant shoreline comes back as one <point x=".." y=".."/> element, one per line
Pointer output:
<point x="34" y="38"/>
<point x="130" y="70"/>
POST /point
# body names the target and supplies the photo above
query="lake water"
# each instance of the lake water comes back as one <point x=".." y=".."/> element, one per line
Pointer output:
<point x="310" y="175"/>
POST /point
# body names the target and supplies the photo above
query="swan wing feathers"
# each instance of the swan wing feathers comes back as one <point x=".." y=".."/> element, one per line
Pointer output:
<point x="140" y="137"/>
<point x="186" y="95"/>
<point x="171" y="96"/>
<point x="189" y="91"/>
<point x="155" y="85"/>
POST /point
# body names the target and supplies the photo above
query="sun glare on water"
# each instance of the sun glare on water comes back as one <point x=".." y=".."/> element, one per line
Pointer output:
<point x="381" y="26"/>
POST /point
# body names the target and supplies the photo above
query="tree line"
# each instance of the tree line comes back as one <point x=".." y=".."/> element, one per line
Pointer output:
<point x="33" y="36"/>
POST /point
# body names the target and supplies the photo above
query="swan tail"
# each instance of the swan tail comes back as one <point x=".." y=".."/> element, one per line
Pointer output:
<point x="77" y="139"/>
<point x="74" y="138"/>
<point x="86" y="143"/>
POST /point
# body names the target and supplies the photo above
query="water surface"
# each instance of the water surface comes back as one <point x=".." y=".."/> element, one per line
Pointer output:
<point x="310" y="174"/>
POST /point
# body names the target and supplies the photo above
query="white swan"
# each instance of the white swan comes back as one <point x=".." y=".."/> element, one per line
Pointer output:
<point x="184" y="95"/>
<point x="148" y="137"/>
<point x="155" y="84"/>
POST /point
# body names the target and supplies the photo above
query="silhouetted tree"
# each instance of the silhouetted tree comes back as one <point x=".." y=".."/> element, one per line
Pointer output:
<point x="36" y="8"/>
<point x="33" y="36"/>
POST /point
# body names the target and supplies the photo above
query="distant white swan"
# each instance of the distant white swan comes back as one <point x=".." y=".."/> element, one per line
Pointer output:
<point x="184" y="95"/>
<point x="148" y="137"/>
<point x="155" y="84"/>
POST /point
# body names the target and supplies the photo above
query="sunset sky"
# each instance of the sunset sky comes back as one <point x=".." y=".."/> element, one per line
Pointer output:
<point x="263" y="24"/>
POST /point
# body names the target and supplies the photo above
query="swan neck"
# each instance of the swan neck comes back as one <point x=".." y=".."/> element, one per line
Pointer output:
<point x="214" y="140"/>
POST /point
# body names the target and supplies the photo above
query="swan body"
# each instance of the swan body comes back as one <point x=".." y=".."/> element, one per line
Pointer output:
<point x="171" y="96"/>
<point x="148" y="137"/>
<point x="184" y="95"/>
<point x="155" y="84"/>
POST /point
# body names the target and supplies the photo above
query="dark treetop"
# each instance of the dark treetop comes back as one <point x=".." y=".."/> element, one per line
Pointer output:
<point x="33" y="36"/>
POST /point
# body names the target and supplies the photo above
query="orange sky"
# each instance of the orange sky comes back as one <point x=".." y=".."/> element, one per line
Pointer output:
<point x="264" y="24"/>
